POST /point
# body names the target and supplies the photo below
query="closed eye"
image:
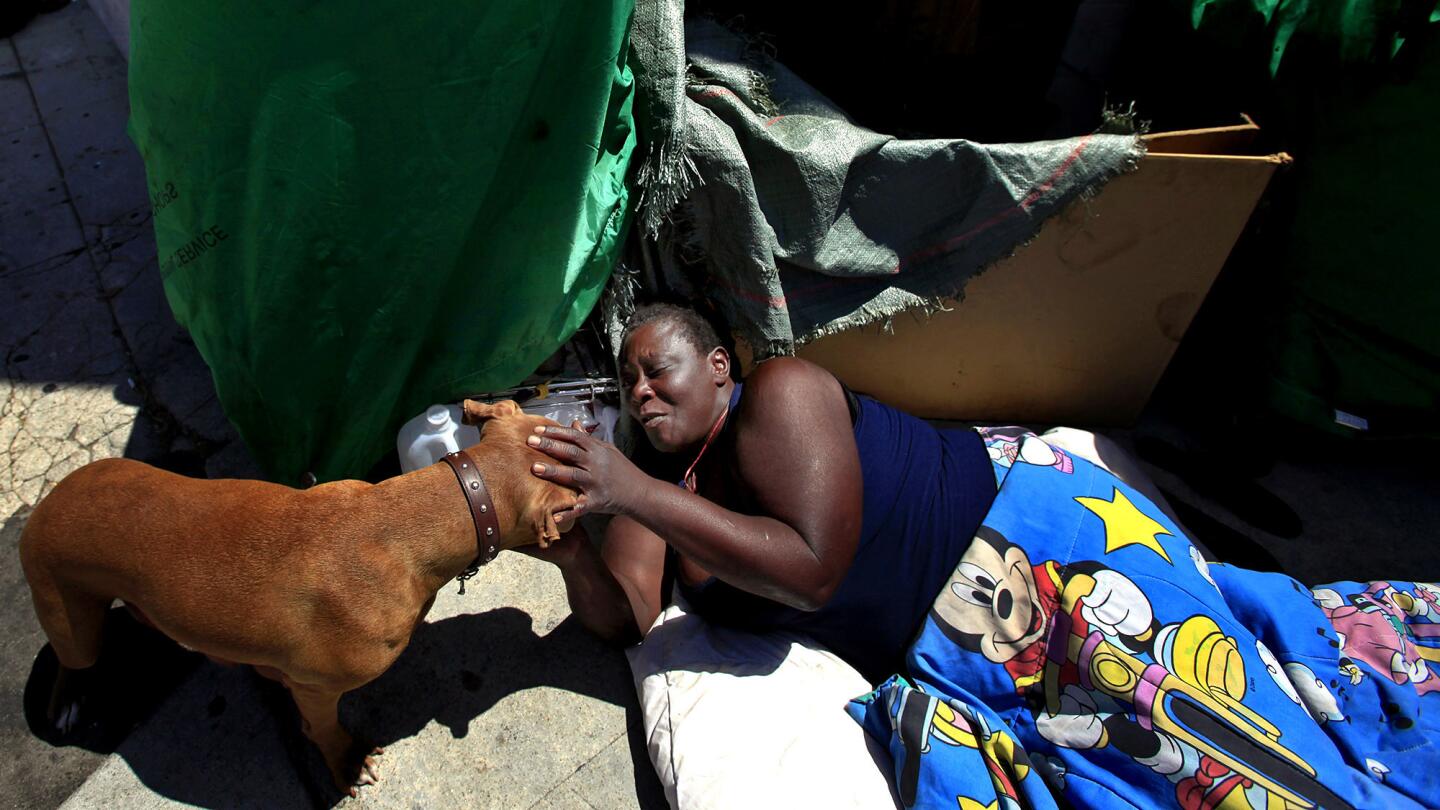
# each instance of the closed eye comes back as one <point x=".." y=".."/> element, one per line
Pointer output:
<point x="973" y="584"/>
<point x="969" y="593"/>
<point x="983" y="579"/>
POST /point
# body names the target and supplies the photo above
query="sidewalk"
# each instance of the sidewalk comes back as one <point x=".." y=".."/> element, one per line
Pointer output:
<point x="498" y="702"/>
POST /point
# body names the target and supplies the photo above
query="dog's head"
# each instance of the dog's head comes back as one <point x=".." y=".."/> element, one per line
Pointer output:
<point x="533" y="502"/>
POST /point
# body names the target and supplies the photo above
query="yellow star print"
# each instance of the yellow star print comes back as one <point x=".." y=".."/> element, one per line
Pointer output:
<point x="1126" y="525"/>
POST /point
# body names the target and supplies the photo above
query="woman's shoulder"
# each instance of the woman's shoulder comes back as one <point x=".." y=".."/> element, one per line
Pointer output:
<point x="794" y="420"/>
<point x="782" y="376"/>
<point x="789" y="389"/>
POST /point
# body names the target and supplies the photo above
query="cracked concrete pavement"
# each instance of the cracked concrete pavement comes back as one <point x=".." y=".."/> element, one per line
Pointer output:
<point x="88" y="338"/>
<point x="501" y="700"/>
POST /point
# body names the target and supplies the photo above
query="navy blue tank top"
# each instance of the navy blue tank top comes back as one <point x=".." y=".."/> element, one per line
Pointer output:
<point x="926" y="491"/>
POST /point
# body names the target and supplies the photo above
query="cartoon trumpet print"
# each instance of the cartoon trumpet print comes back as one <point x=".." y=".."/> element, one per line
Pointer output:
<point x="1193" y="696"/>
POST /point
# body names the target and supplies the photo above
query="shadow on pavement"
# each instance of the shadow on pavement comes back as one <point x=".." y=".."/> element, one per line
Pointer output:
<point x="457" y="668"/>
<point x="138" y="669"/>
<point x="454" y="670"/>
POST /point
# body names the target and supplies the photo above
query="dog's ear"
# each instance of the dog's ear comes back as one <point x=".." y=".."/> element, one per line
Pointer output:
<point x="477" y="412"/>
<point x="547" y="529"/>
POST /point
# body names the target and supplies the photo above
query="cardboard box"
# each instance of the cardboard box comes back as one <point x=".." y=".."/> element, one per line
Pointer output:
<point x="1077" y="326"/>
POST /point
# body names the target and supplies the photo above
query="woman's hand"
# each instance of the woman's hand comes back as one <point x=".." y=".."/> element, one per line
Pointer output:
<point x="608" y="482"/>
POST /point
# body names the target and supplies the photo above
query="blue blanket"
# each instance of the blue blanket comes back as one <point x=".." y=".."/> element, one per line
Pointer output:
<point x="1084" y="654"/>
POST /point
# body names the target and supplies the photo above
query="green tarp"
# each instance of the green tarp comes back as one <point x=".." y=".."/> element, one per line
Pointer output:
<point x="364" y="208"/>
<point x="1352" y="343"/>
<point x="1356" y="329"/>
<point x="1355" y="31"/>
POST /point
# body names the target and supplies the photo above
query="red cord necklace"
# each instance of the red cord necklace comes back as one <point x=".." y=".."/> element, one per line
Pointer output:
<point x="690" y="471"/>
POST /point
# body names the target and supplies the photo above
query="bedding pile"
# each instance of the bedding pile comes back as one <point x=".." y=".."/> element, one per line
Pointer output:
<point x="1085" y="654"/>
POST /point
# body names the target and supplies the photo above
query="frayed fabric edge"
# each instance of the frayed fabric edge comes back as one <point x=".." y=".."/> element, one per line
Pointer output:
<point x="926" y="306"/>
<point x="666" y="176"/>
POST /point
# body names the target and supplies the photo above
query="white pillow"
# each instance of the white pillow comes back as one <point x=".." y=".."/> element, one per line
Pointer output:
<point x="746" y="720"/>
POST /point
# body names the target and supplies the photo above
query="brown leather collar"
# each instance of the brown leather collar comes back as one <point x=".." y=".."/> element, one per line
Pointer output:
<point x="482" y="512"/>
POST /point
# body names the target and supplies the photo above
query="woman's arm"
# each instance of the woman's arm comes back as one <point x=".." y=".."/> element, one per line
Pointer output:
<point x="636" y="557"/>
<point x="614" y="590"/>
<point x="795" y="453"/>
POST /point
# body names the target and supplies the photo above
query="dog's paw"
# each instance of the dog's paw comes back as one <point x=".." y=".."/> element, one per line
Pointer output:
<point x="66" y="718"/>
<point x="369" y="769"/>
<point x="357" y="771"/>
<point x="65" y="712"/>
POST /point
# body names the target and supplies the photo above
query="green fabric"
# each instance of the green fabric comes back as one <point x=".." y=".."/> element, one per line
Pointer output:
<point x="1352" y="30"/>
<point x="1357" y="327"/>
<point x="364" y="208"/>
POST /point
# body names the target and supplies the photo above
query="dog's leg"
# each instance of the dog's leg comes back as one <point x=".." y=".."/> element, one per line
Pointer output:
<point x="73" y="621"/>
<point x="319" y="712"/>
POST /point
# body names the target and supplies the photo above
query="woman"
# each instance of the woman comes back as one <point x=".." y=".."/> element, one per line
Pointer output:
<point x="802" y="506"/>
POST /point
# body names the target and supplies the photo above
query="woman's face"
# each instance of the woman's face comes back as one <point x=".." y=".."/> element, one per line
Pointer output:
<point x="673" y="390"/>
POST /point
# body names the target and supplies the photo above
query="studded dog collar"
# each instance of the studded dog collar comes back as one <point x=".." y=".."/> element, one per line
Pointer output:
<point x="482" y="512"/>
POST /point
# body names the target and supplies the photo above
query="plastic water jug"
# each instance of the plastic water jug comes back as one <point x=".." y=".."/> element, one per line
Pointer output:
<point x="598" y="419"/>
<point x="426" y="439"/>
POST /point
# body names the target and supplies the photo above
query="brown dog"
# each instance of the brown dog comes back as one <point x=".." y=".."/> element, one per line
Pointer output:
<point x="330" y="581"/>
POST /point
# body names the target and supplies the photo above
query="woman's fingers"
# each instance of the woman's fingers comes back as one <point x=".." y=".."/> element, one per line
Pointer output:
<point x="565" y="434"/>
<point x="573" y="477"/>
<point x="558" y="450"/>
<point x="572" y="512"/>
